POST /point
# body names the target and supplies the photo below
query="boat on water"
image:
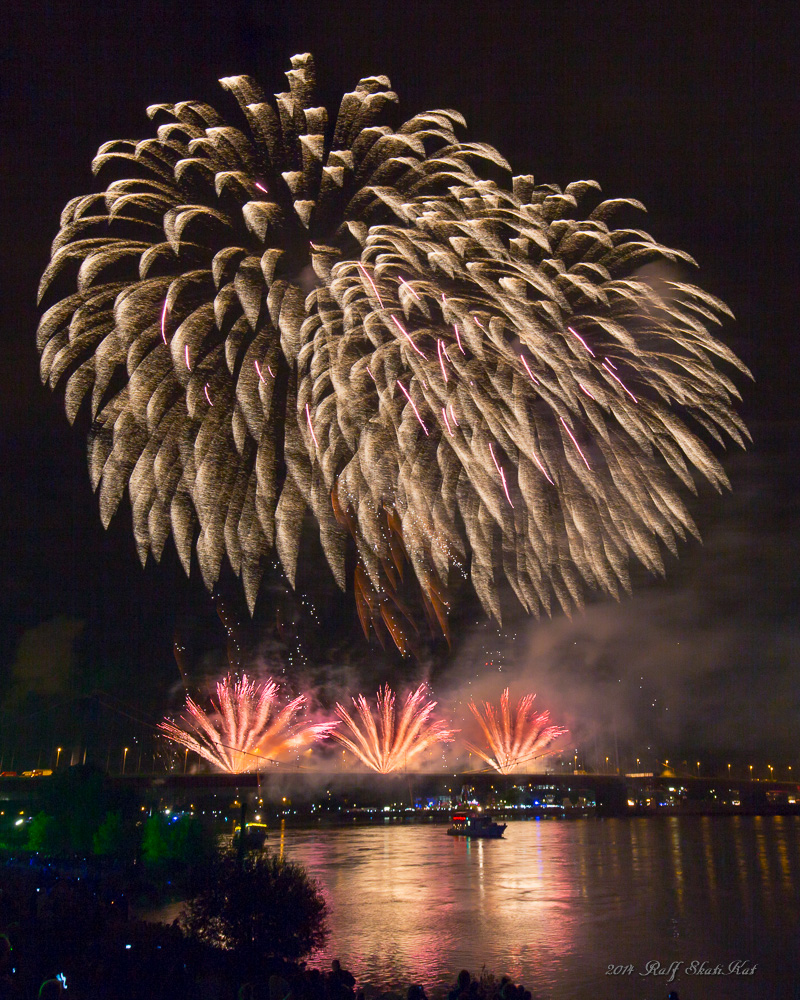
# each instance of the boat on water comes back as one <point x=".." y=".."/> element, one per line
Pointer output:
<point x="255" y="834"/>
<point x="470" y="824"/>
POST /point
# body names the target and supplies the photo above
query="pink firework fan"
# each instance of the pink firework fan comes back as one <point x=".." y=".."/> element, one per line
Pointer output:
<point x="388" y="739"/>
<point x="245" y="727"/>
<point x="514" y="739"/>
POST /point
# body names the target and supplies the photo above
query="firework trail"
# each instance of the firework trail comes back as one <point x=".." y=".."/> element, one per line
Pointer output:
<point x="390" y="740"/>
<point x="471" y="377"/>
<point x="246" y="726"/>
<point x="515" y="739"/>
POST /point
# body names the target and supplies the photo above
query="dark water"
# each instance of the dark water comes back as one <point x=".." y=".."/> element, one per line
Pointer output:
<point x="555" y="904"/>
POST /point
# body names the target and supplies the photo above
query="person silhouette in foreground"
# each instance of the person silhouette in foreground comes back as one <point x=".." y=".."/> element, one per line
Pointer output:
<point x="340" y="982"/>
<point x="461" y="989"/>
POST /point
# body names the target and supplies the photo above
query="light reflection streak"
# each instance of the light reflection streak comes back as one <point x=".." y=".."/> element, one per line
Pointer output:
<point x="677" y="862"/>
<point x="762" y="854"/>
<point x="708" y="854"/>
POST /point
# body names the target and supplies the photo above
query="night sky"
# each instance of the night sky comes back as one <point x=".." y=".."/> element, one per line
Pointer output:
<point x="690" y="107"/>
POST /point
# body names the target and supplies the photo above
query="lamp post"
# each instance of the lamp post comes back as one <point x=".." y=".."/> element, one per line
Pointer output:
<point x="185" y="759"/>
<point x="58" y="754"/>
<point x="124" y="756"/>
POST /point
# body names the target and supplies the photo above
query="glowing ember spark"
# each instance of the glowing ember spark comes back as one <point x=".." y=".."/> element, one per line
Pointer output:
<point x="245" y="726"/>
<point x="261" y="187"/>
<point x="258" y="369"/>
<point x="458" y="338"/>
<point x="405" y="393"/>
<point x="164" y="322"/>
<point x="389" y="739"/>
<point x="447" y="422"/>
<point x="620" y="382"/>
<point x="186" y="354"/>
<point x="542" y="469"/>
<point x="580" y="338"/>
<point x="405" y="334"/>
<point x="502" y="476"/>
<point x="406" y="285"/>
<point x="441" y="360"/>
<point x="208" y="398"/>
<point x="311" y="427"/>
<point x="566" y="428"/>
<point x="372" y="283"/>
<point x="527" y="369"/>
<point x="513" y="740"/>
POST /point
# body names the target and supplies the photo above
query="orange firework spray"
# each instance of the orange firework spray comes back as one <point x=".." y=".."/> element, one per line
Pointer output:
<point x="513" y="739"/>
<point x="389" y="739"/>
<point x="245" y="726"/>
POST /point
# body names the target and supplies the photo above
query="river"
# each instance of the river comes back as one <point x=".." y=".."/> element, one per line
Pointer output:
<point x="572" y="909"/>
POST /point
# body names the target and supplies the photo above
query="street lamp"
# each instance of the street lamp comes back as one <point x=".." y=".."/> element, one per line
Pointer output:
<point x="185" y="759"/>
<point x="770" y="771"/>
<point x="124" y="756"/>
<point x="751" y="772"/>
<point x="58" y="754"/>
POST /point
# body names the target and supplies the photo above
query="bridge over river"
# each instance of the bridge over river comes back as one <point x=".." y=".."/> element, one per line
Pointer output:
<point x="300" y="795"/>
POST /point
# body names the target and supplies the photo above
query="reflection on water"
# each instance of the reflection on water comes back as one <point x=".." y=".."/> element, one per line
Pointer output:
<point x="555" y="904"/>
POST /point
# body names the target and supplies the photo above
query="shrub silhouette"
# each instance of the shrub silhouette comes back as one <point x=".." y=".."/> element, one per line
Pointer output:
<point x="259" y="906"/>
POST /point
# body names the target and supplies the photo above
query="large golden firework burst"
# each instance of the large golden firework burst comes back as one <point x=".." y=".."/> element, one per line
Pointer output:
<point x="465" y="374"/>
